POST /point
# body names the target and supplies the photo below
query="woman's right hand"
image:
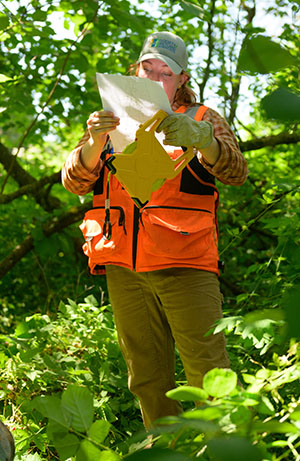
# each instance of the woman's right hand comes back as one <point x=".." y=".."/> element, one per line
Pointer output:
<point x="100" y="123"/>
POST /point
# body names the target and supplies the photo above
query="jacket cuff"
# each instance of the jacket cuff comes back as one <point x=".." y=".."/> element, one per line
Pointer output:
<point x="84" y="172"/>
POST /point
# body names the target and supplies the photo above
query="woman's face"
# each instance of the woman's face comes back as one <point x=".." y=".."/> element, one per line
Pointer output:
<point x="159" y="72"/>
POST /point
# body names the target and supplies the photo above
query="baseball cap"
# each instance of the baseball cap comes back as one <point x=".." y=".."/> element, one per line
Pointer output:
<point x="167" y="47"/>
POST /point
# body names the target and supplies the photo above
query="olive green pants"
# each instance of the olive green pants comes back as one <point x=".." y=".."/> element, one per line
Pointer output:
<point x="153" y="311"/>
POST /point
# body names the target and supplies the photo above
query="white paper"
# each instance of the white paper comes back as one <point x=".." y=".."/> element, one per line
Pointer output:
<point x="134" y="100"/>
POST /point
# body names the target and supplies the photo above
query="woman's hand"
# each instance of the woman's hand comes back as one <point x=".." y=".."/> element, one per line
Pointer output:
<point x="99" y="124"/>
<point x="182" y="130"/>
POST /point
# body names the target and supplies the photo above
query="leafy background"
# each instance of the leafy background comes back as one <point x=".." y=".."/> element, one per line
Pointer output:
<point x="63" y="381"/>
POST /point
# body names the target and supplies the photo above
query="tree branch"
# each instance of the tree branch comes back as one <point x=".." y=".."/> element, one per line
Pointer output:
<point x="34" y="189"/>
<point x="29" y="185"/>
<point x="53" y="225"/>
<point x="281" y="138"/>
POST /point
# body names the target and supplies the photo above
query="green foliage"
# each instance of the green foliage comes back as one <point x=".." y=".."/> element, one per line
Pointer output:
<point x="260" y="54"/>
<point x="219" y="383"/>
<point x="70" y="371"/>
<point x="282" y="104"/>
<point x="63" y="380"/>
<point x="70" y="415"/>
<point x="233" y="421"/>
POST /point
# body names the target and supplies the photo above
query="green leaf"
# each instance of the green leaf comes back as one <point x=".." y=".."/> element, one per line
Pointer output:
<point x="228" y="323"/>
<point x="282" y="104"/>
<point x="233" y="449"/>
<point x="40" y="16"/>
<point x="273" y="427"/>
<point x="56" y="430"/>
<point x="79" y="402"/>
<point x="99" y="431"/>
<point x="192" y="9"/>
<point x="67" y="446"/>
<point x="207" y="414"/>
<point x="88" y="452"/>
<point x="219" y="382"/>
<point x="273" y="314"/>
<point x="279" y="443"/>
<point x="259" y="54"/>
<point x="109" y="455"/>
<point x="187" y="394"/>
<point x="4" y="21"/>
<point x="266" y="407"/>
<point x="51" y="407"/>
<point x="240" y="415"/>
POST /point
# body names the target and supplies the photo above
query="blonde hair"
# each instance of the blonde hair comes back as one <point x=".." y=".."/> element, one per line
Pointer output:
<point x="184" y="95"/>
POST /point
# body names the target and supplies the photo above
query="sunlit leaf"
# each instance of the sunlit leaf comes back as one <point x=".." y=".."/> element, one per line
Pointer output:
<point x="219" y="382"/>
<point x="99" y="431"/>
<point x="207" y="414"/>
<point x="187" y="393"/>
<point x="108" y="455"/>
<point x="88" y="452"/>
<point x="34" y="457"/>
<point x="4" y="78"/>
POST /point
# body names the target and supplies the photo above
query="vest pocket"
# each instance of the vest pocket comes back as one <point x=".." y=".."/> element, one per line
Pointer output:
<point x="179" y="233"/>
<point x="96" y="245"/>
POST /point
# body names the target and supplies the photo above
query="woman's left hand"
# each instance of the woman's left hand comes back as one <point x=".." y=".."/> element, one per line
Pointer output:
<point x="182" y="130"/>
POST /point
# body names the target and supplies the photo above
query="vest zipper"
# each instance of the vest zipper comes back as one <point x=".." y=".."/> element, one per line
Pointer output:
<point x="136" y="218"/>
<point x="176" y="208"/>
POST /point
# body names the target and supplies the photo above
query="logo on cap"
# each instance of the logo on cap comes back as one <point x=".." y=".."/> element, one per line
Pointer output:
<point x="162" y="43"/>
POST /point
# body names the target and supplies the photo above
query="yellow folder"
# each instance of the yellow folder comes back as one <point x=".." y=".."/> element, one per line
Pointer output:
<point x="145" y="165"/>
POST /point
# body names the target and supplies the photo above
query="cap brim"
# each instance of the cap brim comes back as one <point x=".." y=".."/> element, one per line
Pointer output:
<point x="175" y="68"/>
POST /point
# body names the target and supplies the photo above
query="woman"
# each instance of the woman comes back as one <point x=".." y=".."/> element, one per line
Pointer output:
<point x="161" y="261"/>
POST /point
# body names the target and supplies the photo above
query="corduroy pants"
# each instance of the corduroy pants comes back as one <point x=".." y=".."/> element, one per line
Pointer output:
<point x="153" y="311"/>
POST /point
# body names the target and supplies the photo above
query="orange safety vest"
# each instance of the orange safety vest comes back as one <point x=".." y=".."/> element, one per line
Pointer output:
<point x="176" y="228"/>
